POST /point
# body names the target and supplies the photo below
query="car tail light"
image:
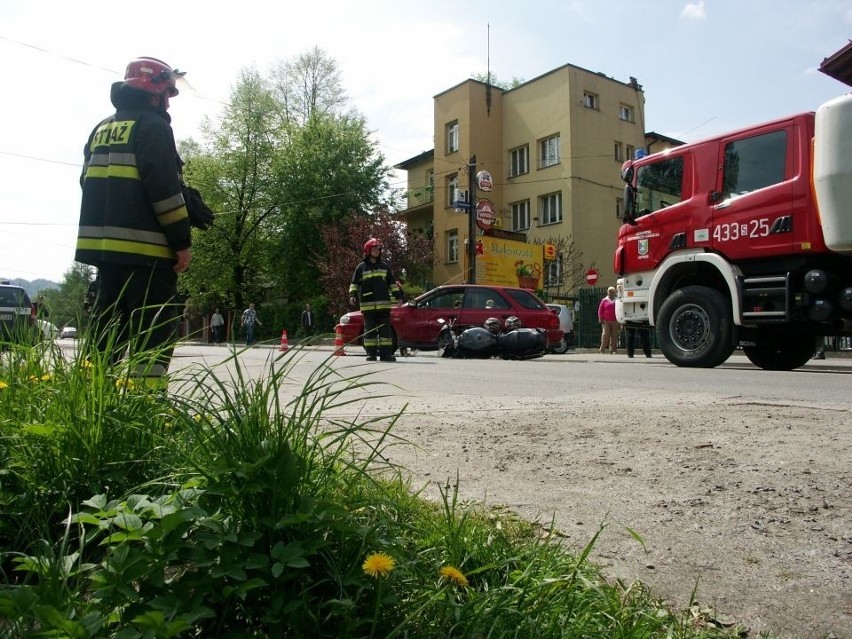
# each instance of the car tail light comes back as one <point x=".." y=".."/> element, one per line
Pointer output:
<point x="553" y="321"/>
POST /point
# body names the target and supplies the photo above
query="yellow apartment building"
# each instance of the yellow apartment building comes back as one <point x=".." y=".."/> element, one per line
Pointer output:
<point x="554" y="147"/>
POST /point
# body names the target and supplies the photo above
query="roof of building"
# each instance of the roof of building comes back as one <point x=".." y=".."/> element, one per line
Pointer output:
<point x="417" y="159"/>
<point x="839" y="65"/>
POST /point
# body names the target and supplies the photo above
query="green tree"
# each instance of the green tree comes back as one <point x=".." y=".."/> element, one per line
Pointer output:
<point x="64" y="305"/>
<point x="232" y="169"/>
<point x="278" y="165"/>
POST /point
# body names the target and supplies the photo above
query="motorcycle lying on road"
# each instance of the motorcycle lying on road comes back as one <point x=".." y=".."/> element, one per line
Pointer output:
<point x="492" y="340"/>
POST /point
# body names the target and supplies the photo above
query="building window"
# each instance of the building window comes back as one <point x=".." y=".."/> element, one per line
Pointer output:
<point x="550" y="208"/>
<point x="519" y="161"/>
<point x="452" y="246"/>
<point x="548" y="151"/>
<point x="430" y="178"/>
<point x="591" y="101"/>
<point x="619" y="207"/>
<point x="618" y="151"/>
<point x="521" y="215"/>
<point x="453" y="137"/>
<point x="552" y="273"/>
<point x="625" y="113"/>
<point x="452" y="189"/>
<point x="629" y="151"/>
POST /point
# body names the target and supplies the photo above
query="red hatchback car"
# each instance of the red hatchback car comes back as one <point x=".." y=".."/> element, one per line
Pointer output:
<point x="415" y="323"/>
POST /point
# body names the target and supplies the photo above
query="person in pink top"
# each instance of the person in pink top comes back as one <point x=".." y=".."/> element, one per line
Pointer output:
<point x="609" y="325"/>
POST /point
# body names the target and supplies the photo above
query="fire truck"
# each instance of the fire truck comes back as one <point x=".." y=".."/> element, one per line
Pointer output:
<point x="743" y="240"/>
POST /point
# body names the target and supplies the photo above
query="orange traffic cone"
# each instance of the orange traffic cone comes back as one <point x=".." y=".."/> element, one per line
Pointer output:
<point x="285" y="345"/>
<point x="338" y="342"/>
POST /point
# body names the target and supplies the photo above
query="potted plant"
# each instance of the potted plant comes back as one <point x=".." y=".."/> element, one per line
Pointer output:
<point x="528" y="275"/>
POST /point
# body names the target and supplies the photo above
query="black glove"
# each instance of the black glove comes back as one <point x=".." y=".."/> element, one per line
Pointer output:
<point x="200" y="215"/>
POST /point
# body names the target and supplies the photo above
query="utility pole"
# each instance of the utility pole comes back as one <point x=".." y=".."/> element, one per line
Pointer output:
<point x="471" y="228"/>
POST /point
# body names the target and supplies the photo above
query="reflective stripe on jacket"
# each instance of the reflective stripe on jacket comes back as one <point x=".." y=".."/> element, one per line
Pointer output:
<point x="132" y="211"/>
<point x="373" y="284"/>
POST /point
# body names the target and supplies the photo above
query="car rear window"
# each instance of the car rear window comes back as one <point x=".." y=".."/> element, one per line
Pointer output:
<point x="16" y="297"/>
<point x="526" y="299"/>
<point x="484" y="298"/>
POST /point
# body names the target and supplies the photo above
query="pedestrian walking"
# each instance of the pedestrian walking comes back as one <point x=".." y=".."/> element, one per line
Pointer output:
<point x="134" y="221"/>
<point x="217" y="325"/>
<point x="372" y="286"/>
<point x="249" y="321"/>
<point x="609" y="325"/>
<point x="307" y="321"/>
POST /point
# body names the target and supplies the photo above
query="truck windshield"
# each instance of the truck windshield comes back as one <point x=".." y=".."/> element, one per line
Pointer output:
<point x="659" y="185"/>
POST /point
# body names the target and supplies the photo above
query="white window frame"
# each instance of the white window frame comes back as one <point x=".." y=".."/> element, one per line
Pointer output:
<point x="618" y="151"/>
<point x="629" y="150"/>
<point x="553" y="272"/>
<point x="452" y="189"/>
<point x="550" y="208"/>
<point x="591" y="100"/>
<point x="519" y="161"/>
<point x="548" y="151"/>
<point x="521" y="215"/>
<point x="625" y="113"/>
<point x="453" y="136"/>
<point x="452" y="246"/>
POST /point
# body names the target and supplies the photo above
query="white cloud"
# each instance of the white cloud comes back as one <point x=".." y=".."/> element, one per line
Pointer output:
<point x="694" y="11"/>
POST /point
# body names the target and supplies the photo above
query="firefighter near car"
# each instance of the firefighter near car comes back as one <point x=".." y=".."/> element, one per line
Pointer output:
<point x="744" y="239"/>
<point x="372" y="286"/>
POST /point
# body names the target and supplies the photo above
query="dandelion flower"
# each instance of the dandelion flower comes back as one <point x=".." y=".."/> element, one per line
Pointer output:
<point x="453" y="575"/>
<point x="125" y="382"/>
<point x="3" y="384"/>
<point x="378" y="564"/>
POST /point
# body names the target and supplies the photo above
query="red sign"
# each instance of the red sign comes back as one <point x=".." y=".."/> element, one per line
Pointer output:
<point x="592" y="276"/>
<point x="550" y="251"/>
<point x="485" y="214"/>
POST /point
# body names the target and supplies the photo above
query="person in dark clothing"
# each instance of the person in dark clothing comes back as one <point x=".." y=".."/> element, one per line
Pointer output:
<point x="641" y="333"/>
<point x="372" y="286"/>
<point x="307" y="321"/>
<point x="134" y="223"/>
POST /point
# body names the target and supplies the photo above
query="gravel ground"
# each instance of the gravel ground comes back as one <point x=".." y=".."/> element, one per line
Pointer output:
<point x="758" y="517"/>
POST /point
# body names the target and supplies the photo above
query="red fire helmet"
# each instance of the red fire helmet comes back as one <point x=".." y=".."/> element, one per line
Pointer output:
<point x="372" y="242"/>
<point x="152" y="76"/>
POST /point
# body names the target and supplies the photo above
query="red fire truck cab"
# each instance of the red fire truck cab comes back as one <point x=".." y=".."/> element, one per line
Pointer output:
<point x="744" y="240"/>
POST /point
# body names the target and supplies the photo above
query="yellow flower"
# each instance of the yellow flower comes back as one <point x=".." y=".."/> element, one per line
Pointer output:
<point x="3" y="384"/>
<point x="454" y="575"/>
<point x="378" y="564"/>
<point x="125" y="383"/>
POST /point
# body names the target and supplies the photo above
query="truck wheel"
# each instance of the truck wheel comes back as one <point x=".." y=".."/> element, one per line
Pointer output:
<point x="561" y="348"/>
<point x="781" y="352"/>
<point x="694" y="328"/>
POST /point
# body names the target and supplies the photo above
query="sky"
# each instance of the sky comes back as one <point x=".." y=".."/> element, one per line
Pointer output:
<point x="706" y="66"/>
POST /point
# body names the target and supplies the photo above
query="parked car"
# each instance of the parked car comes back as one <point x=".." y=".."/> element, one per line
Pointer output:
<point x="415" y="323"/>
<point x="566" y="323"/>
<point x="47" y="329"/>
<point x="68" y="331"/>
<point x="17" y="315"/>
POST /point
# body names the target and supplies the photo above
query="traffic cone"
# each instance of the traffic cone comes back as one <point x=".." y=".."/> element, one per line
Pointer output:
<point x="285" y="345"/>
<point x="338" y="342"/>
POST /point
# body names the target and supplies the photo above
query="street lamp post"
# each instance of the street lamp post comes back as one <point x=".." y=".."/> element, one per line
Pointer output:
<point x="471" y="229"/>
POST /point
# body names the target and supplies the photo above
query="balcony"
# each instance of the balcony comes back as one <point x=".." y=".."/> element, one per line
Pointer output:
<point x="419" y="197"/>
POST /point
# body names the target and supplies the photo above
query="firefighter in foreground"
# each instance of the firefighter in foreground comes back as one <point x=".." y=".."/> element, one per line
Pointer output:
<point x="372" y="286"/>
<point x="134" y="221"/>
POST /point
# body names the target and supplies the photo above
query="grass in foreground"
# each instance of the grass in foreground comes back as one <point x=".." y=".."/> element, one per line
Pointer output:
<point x="232" y="508"/>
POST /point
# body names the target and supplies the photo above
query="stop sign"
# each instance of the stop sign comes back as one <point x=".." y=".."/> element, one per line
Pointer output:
<point x="592" y="276"/>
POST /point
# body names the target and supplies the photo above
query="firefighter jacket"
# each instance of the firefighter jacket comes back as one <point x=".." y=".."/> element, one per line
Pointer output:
<point x="133" y="211"/>
<point x="373" y="284"/>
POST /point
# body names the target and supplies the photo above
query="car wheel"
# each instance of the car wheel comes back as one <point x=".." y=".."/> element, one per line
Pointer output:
<point x="781" y="352"/>
<point x="694" y="328"/>
<point x="561" y="348"/>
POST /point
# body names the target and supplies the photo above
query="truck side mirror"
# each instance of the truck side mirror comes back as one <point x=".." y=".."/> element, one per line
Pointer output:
<point x="629" y="214"/>
<point x="715" y="196"/>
